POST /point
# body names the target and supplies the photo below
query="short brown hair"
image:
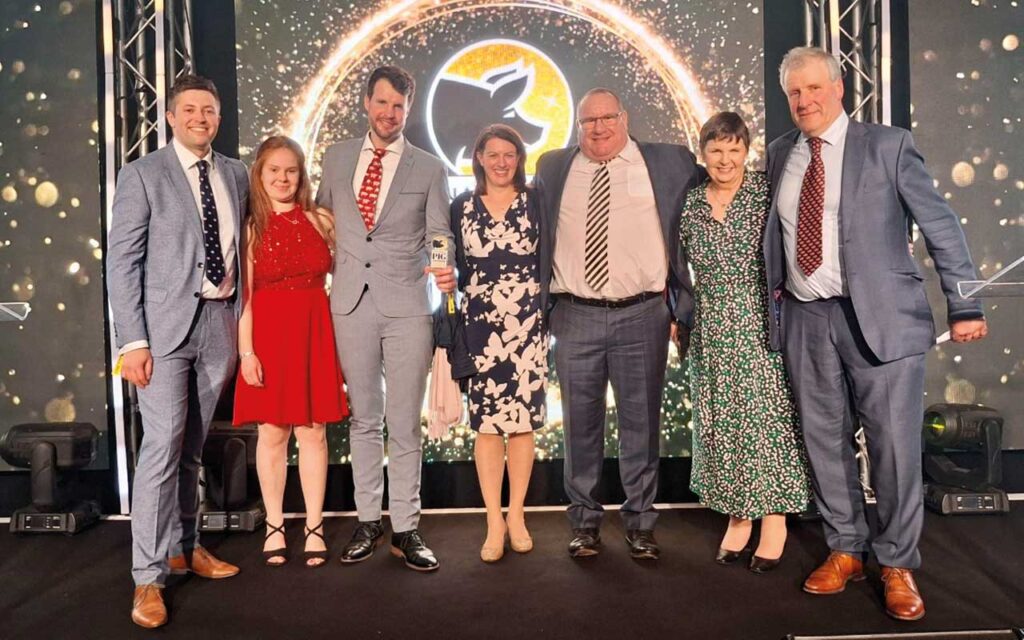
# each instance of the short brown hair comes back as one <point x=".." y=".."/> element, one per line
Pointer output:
<point x="510" y="135"/>
<point x="397" y="77"/>
<point x="726" y="125"/>
<point x="190" y="82"/>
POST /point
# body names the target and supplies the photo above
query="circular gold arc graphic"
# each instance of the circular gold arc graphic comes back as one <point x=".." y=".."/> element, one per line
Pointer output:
<point x="306" y="118"/>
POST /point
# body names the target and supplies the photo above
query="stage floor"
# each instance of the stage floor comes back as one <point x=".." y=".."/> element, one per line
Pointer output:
<point x="80" y="587"/>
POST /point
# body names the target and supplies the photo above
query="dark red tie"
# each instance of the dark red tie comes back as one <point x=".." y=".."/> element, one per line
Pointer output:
<point x="370" y="189"/>
<point x="812" y="204"/>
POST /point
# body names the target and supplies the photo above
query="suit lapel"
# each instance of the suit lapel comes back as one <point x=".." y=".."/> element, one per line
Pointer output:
<point x="853" y="165"/>
<point x="349" y="161"/>
<point x="402" y="172"/>
<point x="664" y="214"/>
<point x="228" y="176"/>
<point x="558" y="186"/>
<point x="176" y="174"/>
<point x="779" y="166"/>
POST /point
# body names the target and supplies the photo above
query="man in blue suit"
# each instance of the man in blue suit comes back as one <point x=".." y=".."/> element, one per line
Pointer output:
<point x="172" y="273"/>
<point x="851" y="316"/>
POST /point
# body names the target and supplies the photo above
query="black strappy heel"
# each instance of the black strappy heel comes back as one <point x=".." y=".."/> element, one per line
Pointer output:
<point x="271" y="554"/>
<point x="319" y="555"/>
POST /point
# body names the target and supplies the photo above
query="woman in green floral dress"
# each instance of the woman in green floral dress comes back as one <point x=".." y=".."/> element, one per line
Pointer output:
<point x="748" y="455"/>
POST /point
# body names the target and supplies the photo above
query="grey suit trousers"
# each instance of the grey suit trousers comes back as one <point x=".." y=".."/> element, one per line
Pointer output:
<point x="833" y="373"/>
<point x="177" y="407"/>
<point x="385" y="363"/>
<point x="629" y="348"/>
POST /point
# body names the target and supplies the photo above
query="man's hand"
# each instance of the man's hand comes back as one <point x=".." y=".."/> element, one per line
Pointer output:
<point x="680" y="335"/>
<point x="252" y="370"/>
<point x="137" y="367"/>
<point x="968" y="330"/>
<point x="444" y="278"/>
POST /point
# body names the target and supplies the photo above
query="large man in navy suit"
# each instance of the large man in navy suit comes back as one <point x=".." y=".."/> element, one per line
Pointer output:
<point x="611" y="257"/>
<point x="852" y="319"/>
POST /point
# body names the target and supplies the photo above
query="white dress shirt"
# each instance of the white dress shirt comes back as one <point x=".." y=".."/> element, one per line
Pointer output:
<point x="388" y="162"/>
<point x="637" y="258"/>
<point x="225" y="219"/>
<point x="827" y="280"/>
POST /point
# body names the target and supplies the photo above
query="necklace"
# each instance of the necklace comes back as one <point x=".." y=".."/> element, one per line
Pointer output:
<point x="714" y="198"/>
<point x="285" y="215"/>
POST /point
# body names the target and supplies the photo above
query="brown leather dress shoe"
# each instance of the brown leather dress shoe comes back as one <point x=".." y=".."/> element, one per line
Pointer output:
<point x="833" y="574"/>
<point x="203" y="564"/>
<point x="148" y="608"/>
<point x="902" y="599"/>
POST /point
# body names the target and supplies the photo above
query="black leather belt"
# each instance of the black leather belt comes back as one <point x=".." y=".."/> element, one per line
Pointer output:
<point x="610" y="304"/>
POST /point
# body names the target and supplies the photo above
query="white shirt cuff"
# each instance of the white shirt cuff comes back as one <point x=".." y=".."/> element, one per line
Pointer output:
<point x="132" y="346"/>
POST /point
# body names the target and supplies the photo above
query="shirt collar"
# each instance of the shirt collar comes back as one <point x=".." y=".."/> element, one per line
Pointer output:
<point x="835" y="133"/>
<point x="189" y="159"/>
<point x="396" y="147"/>
<point x="630" y="154"/>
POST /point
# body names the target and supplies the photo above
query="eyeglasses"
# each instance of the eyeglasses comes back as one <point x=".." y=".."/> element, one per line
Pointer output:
<point x="607" y="120"/>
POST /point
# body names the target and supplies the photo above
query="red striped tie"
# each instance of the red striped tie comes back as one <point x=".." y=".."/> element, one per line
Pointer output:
<point x="812" y="204"/>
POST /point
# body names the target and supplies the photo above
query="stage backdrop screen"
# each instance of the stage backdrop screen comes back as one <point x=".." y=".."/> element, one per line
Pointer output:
<point x="966" y="69"/>
<point x="52" y="353"/>
<point x="302" y="70"/>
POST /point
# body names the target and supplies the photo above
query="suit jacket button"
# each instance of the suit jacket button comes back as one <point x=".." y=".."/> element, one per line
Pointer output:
<point x="369" y="239"/>
<point x="367" y="265"/>
<point x="196" y="294"/>
<point x="199" y="266"/>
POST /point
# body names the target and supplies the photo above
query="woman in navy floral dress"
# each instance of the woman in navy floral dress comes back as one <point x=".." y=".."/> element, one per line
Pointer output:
<point x="497" y="236"/>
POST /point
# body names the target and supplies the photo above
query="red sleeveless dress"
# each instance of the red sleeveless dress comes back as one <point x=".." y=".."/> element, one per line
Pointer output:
<point x="293" y="335"/>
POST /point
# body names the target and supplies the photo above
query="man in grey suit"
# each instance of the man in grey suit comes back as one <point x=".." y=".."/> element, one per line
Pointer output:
<point x="616" y="272"/>
<point x="852" y="320"/>
<point x="390" y="200"/>
<point x="172" y="268"/>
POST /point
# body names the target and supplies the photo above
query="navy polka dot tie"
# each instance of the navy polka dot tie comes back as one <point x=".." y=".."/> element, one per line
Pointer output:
<point x="211" y="228"/>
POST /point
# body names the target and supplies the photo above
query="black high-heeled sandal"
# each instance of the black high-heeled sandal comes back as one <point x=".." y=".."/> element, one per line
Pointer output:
<point x="315" y="555"/>
<point x="271" y="554"/>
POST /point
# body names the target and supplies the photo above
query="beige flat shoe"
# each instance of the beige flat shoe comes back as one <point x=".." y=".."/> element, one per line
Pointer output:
<point x="492" y="554"/>
<point x="521" y="545"/>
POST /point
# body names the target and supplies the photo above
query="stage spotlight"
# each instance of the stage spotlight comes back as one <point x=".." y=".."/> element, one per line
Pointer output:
<point x="45" y="449"/>
<point x="977" y="433"/>
<point x="227" y="456"/>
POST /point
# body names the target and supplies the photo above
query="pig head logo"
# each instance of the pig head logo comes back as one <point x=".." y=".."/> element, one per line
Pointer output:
<point x="497" y="81"/>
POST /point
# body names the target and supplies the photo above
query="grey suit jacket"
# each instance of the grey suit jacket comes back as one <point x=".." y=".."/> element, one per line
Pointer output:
<point x="155" y="257"/>
<point x="885" y="185"/>
<point x="673" y="171"/>
<point x="390" y="257"/>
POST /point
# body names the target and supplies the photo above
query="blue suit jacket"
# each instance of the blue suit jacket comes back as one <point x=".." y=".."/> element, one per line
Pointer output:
<point x="155" y="257"/>
<point x="885" y="185"/>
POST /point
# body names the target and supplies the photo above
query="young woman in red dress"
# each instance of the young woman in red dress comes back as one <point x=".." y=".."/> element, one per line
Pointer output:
<point x="290" y="377"/>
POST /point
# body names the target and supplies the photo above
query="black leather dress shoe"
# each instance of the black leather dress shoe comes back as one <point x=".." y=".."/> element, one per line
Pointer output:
<point x="763" y="565"/>
<point x="724" y="556"/>
<point x="642" y="545"/>
<point x="409" y="546"/>
<point x="585" y="542"/>
<point x="364" y="541"/>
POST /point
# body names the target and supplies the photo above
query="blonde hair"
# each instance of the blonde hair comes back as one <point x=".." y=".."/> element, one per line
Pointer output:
<point x="261" y="208"/>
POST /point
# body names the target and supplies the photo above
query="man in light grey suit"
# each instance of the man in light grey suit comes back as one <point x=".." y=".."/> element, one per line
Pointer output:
<point x="390" y="199"/>
<point x="612" y="260"/>
<point x="172" y="267"/>
<point x="852" y="320"/>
